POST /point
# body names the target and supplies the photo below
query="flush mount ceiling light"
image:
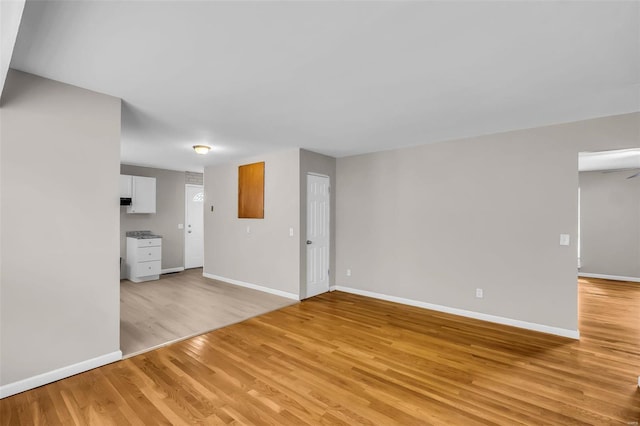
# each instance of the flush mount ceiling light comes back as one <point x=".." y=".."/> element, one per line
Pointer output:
<point x="201" y="149"/>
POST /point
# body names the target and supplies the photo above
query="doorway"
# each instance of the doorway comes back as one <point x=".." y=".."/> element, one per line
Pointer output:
<point x="318" y="234"/>
<point x="194" y="228"/>
<point x="609" y="208"/>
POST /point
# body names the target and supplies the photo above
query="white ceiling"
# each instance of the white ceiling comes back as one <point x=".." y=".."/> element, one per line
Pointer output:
<point x="338" y="78"/>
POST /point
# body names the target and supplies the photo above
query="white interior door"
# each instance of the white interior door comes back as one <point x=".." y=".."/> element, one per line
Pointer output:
<point x="194" y="228"/>
<point x="318" y="199"/>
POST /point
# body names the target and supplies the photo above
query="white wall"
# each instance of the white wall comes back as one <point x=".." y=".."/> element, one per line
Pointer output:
<point x="434" y="222"/>
<point x="610" y="224"/>
<point x="59" y="287"/>
<point x="10" y="18"/>
<point x="267" y="256"/>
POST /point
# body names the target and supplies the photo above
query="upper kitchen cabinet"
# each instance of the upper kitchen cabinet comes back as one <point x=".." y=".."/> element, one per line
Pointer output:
<point x="143" y="195"/>
<point x="125" y="186"/>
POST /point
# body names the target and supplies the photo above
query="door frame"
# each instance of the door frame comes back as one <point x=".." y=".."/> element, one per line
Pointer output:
<point x="184" y="226"/>
<point x="304" y="295"/>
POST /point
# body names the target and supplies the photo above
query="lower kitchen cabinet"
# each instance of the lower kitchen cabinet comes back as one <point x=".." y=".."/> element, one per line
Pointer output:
<point x="143" y="259"/>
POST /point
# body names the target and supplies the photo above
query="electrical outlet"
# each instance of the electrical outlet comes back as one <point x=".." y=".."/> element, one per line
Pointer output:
<point x="479" y="293"/>
<point x="348" y="272"/>
<point x="291" y="232"/>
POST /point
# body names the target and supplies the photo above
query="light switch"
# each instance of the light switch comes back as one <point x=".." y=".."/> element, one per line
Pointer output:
<point x="248" y="229"/>
<point x="565" y="239"/>
<point x="180" y="226"/>
<point x="291" y="232"/>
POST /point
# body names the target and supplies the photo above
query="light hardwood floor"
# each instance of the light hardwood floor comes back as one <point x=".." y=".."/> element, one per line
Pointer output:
<point x="182" y="305"/>
<point x="345" y="359"/>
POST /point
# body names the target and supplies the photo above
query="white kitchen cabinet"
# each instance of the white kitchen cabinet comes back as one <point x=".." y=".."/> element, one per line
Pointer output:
<point x="125" y="186"/>
<point x="143" y="195"/>
<point x="143" y="259"/>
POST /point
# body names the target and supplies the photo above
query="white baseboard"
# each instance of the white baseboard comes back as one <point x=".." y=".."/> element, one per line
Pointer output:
<point x="252" y="286"/>
<point x="170" y="270"/>
<point x="609" y="277"/>
<point x="59" y="373"/>
<point x="572" y="334"/>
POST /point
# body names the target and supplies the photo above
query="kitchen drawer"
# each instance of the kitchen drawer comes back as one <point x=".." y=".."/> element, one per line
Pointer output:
<point x="147" y="268"/>
<point x="146" y="254"/>
<point x="149" y="242"/>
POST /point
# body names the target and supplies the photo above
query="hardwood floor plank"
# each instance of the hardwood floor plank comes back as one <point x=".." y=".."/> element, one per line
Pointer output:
<point x="342" y="359"/>
<point x="126" y="385"/>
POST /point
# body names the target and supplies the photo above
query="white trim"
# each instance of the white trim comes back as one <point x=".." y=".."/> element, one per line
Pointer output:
<point x="170" y="270"/>
<point x="572" y="334"/>
<point x="59" y="373"/>
<point x="609" y="277"/>
<point x="252" y="286"/>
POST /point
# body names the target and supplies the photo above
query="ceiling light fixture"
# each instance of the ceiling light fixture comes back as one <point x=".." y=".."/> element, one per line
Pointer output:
<point x="201" y="149"/>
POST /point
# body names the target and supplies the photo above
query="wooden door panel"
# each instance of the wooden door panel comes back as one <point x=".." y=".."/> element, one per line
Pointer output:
<point x="251" y="191"/>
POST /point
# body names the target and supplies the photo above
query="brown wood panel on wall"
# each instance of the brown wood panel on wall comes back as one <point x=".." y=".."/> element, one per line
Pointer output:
<point x="251" y="191"/>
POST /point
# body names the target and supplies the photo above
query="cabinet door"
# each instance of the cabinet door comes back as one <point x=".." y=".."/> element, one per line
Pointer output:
<point x="143" y="197"/>
<point x="125" y="186"/>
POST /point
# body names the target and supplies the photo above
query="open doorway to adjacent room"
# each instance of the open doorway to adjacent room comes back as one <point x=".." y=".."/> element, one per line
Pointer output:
<point x="609" y="215"/>
<point x="176" y="302"/>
